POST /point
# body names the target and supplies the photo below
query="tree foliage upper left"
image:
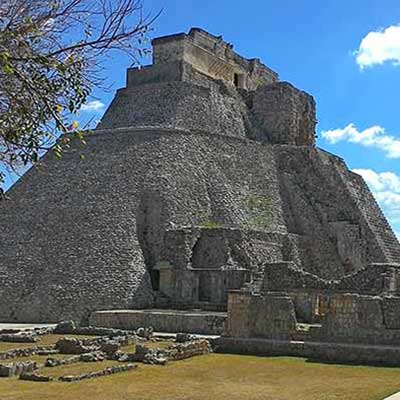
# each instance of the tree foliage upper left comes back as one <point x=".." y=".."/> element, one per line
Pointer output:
<point x="51" y="54"/>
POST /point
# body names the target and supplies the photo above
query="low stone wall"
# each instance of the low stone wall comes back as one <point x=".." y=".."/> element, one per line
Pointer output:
<point x="180" y="351"/>
<point x="206" y="323"/>
<point x="318" y="351"/>
<point x="17" y="368"/>
<point x="269" y="316"/>
<point x="35" y="377"/>
<point x="69" y="328"/>
<point x="30" y="337"/>
<point x="39" y="350"/>
<point x="107" y="371"/>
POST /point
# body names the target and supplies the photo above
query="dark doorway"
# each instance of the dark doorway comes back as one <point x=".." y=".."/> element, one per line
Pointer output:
<point x="155" y="279"/>
<point x="236" y="79"/>
<point x="204" y="287"/>
<point x="239" y="80"/>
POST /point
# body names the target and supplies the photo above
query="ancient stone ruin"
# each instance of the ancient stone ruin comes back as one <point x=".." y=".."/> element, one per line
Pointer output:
<point x="203" y="182"/>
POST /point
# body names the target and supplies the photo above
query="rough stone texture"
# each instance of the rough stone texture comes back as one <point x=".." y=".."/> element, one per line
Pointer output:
<point x="346" y="318"/>
<point x="192" y="190"/>
<point x="210" y="55"/>
<point x="269" y="316"/>
<point x="73" y="346"/>
<point x="179" y="105"/>
<point x="19" y="337"/>
<point x="17" y="368"/>
<point x="27" y="352"/>
<point x="192" y="348"/>
<point x="315" y="351"/>
<point x="284" y="114"/>
<point x="107" y="371"/>
<point x="35" y="377"/>
<point x="201" y="322"/>
<point x="65" y="328"/>
<point x="55" y="362"/>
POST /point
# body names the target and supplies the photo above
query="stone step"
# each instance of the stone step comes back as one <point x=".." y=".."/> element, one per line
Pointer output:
<point x="163" y="320"/>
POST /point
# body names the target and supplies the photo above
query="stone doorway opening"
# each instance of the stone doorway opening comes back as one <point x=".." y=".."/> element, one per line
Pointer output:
<point x="239" y="80"/>
<point x="155" y="279"/>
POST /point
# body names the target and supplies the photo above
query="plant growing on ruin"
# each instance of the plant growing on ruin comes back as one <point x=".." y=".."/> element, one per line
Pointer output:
<point x="258" y="209"/>
<point x="51" y="54"/>
<point x="210" y="224"/>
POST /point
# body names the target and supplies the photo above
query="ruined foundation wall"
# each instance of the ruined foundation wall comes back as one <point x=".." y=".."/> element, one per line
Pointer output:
<point x="348" y="319"/>
<point x="269" y="316"/>
<point x="353" y="318"/>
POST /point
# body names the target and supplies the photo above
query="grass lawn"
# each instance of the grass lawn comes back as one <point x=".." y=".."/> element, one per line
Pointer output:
<point x="216" y="376"/>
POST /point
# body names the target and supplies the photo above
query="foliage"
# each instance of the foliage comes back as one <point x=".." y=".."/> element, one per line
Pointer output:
<point x="51" y="56"/>
<point x="259" y="212"/>
<point x="210" y="224"/>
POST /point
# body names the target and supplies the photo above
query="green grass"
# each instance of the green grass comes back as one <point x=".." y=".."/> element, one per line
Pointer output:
<point x="216" y="376"/>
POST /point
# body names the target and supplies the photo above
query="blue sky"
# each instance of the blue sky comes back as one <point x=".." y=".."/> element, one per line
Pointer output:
<point x="345" y="53"/>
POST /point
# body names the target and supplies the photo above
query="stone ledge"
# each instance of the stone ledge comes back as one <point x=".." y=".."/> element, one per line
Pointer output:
<point x="315" y="351"/>
<point x="188" y="321"/>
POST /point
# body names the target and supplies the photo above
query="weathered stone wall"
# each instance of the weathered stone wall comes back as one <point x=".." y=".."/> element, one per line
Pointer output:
<point x="210" y="55"/>
<point x="269" y="316"/>
<point x="207" y="262"/>
<point x="176" y="71"/>
<point x="331" y="216"/>
<point x="315" y="351"/>
<point x="284" y="114"/>
<point x="179" y="105"/>
<point x="347" y="318"/>
<point x="308" y="291"/>
<point x="103" y="229"/>
<point x="93" y="233"/>
<point x="353" y="318"/>
<point x="373" y="279"/>
<point x="69" y="243"/>
<point x="196" y="322"/>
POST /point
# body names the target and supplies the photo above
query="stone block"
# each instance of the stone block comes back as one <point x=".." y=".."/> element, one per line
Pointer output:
<point x="284" y="114"/>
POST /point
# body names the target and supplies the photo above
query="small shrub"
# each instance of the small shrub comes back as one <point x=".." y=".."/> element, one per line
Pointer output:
<point x="259" y="212"/>
<point x="210" y="225"/>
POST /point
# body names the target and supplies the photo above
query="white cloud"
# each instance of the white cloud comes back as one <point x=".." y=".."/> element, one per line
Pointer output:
<point x="379" y="47"/>
<point x="375" y="136"/>
<point x="386" y="188"/>
<point x="94" y="105"/>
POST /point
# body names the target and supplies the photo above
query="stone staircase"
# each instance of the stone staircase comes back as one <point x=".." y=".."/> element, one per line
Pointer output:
<point x="375" y="218"/>
<point x="365" y="205"/>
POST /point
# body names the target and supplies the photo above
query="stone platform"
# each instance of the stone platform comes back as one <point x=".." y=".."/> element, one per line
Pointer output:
<point x="163" y="320"/>
<point x="347" y="353"/>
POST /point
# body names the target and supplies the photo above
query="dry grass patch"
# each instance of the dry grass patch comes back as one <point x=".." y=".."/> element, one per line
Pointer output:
<point x="217" y="376"/>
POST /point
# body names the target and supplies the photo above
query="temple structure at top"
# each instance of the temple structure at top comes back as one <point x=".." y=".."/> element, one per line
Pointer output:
<point x="180" y="57"/>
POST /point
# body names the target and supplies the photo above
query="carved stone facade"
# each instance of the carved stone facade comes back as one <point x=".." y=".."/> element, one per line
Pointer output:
<point x="213" y="57"/>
